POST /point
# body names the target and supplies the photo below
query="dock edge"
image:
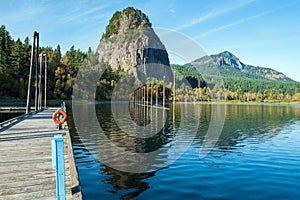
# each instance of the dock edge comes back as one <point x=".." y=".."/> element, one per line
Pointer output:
<point x="75" y="185"/>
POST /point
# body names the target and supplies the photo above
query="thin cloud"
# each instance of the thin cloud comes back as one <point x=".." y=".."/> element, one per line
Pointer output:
<point x="171" y="8"/>
<point x="25" y="14"/>
<point x="212" y="14"/>
<point x="85" y="13"/>
<point x="242" y="21"/>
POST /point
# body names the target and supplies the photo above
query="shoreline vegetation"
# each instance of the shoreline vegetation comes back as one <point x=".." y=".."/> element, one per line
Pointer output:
<point x="57" y="102"/>
<point x="63" y="70"/>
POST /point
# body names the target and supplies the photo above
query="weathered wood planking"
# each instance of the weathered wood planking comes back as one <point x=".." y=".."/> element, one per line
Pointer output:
<point x="25" y="158"/>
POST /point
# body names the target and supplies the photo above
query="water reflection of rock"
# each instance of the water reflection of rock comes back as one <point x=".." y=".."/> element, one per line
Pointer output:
<point x="128" y="185"/>
<point x="244" y="124"/>
<point x="127" y="181"/>
<point x="115" y="147"/>
<point x="126" y="149"/>
<point x="126" y="137"/>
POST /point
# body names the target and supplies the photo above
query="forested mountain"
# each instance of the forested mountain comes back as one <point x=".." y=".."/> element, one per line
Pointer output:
<point x="231" y="66"/>
<point x="241" y="82"/>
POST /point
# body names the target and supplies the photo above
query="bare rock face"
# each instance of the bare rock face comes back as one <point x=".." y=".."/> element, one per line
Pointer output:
<point x="227" y="58"/>
<point x="131" y="44"/>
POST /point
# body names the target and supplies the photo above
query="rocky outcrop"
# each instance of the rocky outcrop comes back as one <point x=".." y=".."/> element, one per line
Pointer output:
<point x="131" y="44"/>
<point x="231" y="66"/>
<point x="227" y="58"/>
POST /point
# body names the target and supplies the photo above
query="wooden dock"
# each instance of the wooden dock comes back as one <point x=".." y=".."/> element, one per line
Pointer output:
<point x="26" y="160"/>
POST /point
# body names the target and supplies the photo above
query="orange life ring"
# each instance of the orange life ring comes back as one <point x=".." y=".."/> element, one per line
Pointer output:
<point x="56" y="117"/>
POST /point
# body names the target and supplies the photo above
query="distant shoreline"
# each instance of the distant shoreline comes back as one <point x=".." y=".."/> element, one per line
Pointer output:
<point x="51" y="103"/>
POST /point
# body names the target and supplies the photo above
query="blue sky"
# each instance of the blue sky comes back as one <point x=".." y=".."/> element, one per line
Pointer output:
<point x="260" y="32"/>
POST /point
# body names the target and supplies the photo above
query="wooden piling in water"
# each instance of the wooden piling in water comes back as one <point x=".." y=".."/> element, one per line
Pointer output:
<point x="174" y="96"/>
<point x="151" y="94"/>
<point x="36" y="71"/>
<point x="147" y="95"/>
<point x="164" y="94"/>
<point x="30" y="74"/>
<point x="156" y="93"/>
<point x="40" y="82"/>
<point x="45" y="95"/>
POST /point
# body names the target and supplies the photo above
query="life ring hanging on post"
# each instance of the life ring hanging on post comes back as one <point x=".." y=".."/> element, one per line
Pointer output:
<point x="57" y="116"/>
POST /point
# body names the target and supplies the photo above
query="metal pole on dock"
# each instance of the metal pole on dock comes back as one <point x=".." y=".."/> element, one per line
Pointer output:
<point x="30" y="74"/>
<point x="45" y="102"/>
<point x="36" y="71"/>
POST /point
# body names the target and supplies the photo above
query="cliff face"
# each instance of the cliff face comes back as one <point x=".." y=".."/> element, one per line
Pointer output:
<point x="131" y="44"/>
<point x="227" y="58"/>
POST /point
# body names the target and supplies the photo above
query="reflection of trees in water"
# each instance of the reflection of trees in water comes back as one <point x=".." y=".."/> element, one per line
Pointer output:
<point x="243" y="122"/>
<point x="6" y="115"/>
<point x="127" y="181"/>
<point x="139" y="114"/>
<point x="131" y="183"/>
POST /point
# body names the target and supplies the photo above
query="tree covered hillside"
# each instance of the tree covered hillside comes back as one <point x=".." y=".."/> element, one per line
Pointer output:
<point x="15" y="63"/>
<point x="239" y="86"/>
<point x="242" y="82"/>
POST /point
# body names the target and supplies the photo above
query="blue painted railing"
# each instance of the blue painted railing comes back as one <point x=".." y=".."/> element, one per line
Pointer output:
<point x="58" y="164"/>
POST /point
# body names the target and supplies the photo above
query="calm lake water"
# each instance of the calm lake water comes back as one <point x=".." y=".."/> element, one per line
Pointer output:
<point x="8" y="115"/>
<point x="256" y="156"/>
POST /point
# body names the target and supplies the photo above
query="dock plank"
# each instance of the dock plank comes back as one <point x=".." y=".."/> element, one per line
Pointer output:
<point x="25" y="158"/>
